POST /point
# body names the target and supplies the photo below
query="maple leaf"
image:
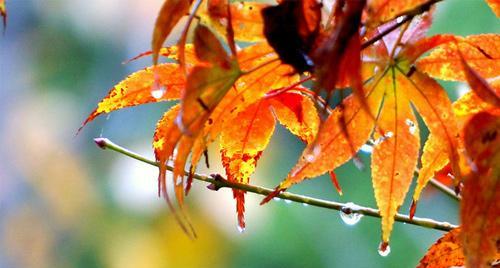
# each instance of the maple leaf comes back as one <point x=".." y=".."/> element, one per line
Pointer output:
<point x="246" y="20"/>
<point x="170" y="14"/>
<point x="481" y="52"/>
<point x="480" y="205"/>
<point x="495" y="6"/>
<point x="434" y="156"/>
<point x="244" y="138"/>
<point x="380" y="11"/>
<point x="446" y="252"/>
<point x="141" y="87"/>
<point x="391" y="91"/>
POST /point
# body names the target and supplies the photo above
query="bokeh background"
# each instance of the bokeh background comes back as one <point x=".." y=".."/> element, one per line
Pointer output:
<point x="66" y="203"/>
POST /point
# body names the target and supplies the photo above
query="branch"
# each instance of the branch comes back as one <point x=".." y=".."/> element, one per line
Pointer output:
<point x="217" y="182"/>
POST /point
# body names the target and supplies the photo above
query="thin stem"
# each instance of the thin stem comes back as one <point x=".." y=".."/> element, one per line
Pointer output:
<point x="407" y="16"/>
<point x="445" y="189"/>
<point x="218" y="182"/>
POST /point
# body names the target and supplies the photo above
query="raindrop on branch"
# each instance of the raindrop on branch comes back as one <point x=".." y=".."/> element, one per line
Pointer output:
<point x="241" y="229"/>
<point x="348" y="216"/>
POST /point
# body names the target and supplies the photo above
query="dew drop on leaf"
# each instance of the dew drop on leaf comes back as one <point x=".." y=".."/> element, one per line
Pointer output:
<point x="241" y="229"/>
<point x="312" y="154"/>
<point x="276" y="198"/>
<point x="367" y="148"/>
<point x="384" y="249"/>
<point x="400" y="19"/>
<point x="288" y="201"/>
<point x="157" y="93"/>
<point x="348" y="216"/>
<point x="411" y="126"/>
<point x="305" y="204"/>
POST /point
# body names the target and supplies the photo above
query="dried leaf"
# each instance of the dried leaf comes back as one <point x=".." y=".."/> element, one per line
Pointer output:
<point x="170" y="13"/>
<point x="243" y="140"/>
<point x="291" y="29"/>
<point x="445" y="253"/>
<point x="481" y="52"/>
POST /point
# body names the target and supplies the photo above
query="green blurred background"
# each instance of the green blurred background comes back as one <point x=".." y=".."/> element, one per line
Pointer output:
<point x="65" y="203"/>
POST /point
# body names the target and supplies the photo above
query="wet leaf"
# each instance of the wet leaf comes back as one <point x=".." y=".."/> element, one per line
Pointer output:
<point x="480" y="205"/>
<point x="297" y="113"/>
<point x="140" y="88"/>
<point x="170" y="14"/>
<point x="481" y="52"/>
<point x="394" y="159"/>
<point x="495" y="6"/>
<point x="246" y="19"/>
<point x="446" y="252"/>
<point x="479" y="85"/>
<point x="380" y="11"/>
<point x="243" y="140"/>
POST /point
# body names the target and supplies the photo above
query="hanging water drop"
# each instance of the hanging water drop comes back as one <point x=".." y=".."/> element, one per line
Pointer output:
<point x="367" y="148"/>
<point x="384" y="249"/>
<point x="276" y="198"/>
<point x="312" y="154"/>
<point x="288" y="201"/>
<point x="411" y="126"/>
<point x="348" y="216"/>
<point x="241" y="229"/>
<point x="305" y="204"/>
<point x="158" y="92"/>
<point x="400" y="19"/>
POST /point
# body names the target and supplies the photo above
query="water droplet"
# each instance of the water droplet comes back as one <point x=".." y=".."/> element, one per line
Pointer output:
<point x="312" y="154"/>
<point x="386" y="136"/>
<point x="367" y="148"/>
<point x="241" y="229"/>
<point x="376" y="43"/>
<point x="384" y="249"/>
<point x="276" y="199"/>
<point x="376" y="69"/>
<point x="450" y="176"/>
<point x="305" y="204"/>
<point x="400" y="19"/>
<point x="157" y="93"/>
<point x="411" y="126"/>
<point x="288" y="201"/>
<point x="348" y="216"/>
